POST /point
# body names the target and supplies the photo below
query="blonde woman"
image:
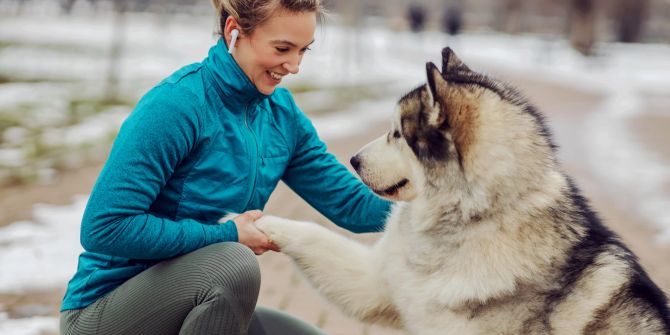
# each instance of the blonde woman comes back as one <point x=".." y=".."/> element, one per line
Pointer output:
<point x="213" y="138"/>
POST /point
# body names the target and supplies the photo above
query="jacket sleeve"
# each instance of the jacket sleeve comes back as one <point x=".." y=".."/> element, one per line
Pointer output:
<point x="319" y="178"/>
<point x="151" y="143"/>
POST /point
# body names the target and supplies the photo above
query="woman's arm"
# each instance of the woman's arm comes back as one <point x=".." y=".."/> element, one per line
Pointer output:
<point x="319" y="178"/>
<point x="152" y="142"/>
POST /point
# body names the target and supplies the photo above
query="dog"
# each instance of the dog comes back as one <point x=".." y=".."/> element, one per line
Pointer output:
<point x="487" y="235"/>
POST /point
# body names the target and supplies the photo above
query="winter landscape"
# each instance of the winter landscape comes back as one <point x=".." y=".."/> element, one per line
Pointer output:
<point x="610" y="114"/>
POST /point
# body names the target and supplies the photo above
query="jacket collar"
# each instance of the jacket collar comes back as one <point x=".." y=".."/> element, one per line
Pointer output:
<point x="232" y="84"/>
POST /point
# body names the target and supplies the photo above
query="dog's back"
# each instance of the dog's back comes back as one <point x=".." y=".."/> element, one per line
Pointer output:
<point x="603" y="289"/>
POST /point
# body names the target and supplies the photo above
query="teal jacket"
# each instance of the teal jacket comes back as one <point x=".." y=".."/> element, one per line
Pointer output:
<point x="202" y="143"/>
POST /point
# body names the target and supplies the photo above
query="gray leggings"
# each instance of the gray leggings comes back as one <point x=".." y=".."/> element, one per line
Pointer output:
<point x="212" y="290"/>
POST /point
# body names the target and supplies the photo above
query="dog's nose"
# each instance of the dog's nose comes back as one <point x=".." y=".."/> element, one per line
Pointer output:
<point x="355" y="162"/>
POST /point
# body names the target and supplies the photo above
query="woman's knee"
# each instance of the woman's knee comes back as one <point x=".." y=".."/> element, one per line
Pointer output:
<point x="230" y="265"/>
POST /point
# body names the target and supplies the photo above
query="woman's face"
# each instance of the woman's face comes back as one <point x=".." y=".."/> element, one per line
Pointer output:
<point x="275" y="48"/>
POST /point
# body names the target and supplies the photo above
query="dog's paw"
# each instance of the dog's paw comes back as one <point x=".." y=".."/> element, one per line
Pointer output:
<point x="284" y="232"/>
<point x="277" y="229"/>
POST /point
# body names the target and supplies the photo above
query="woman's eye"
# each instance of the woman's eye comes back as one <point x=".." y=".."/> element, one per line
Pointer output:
<point x="396" y="134"/>
<point x="281" y="49"/>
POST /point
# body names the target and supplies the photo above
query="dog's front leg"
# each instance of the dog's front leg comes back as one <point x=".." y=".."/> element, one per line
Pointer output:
<point x="339" y="268"/>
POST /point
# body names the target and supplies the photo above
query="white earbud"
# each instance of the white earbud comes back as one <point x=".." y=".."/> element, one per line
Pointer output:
<point x="233" y="40"/>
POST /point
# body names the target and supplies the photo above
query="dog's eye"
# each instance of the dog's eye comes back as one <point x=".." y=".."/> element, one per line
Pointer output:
<point x="396" y="134"/>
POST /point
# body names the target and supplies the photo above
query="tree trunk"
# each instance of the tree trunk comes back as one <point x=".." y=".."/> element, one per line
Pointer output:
<point x="582" y="25"/>
<point x="116" y="49"/>
<point x="630" y="17"/>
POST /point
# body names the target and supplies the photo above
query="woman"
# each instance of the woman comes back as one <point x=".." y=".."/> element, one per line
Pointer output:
<point x="213" y="138"/>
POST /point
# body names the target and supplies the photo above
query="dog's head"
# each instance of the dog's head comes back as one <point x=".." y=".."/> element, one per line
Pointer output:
<point x="460" y="132"/>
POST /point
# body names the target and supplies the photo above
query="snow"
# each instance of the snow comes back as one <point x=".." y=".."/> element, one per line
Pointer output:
<point x="626" y="75"/>
<point x="47" y="245"/>
<point x="12" y="157"/>
<point x="27" y="326"/>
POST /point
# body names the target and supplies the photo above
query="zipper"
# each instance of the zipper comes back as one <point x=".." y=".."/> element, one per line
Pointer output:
<point x="254" y="158"/>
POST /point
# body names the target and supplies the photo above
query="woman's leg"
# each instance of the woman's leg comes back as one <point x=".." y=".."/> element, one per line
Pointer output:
<point x="212" y="290"/>
<point x="268" y="321"/>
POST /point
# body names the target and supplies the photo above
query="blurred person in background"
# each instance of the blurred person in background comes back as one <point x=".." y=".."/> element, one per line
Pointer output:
<point x="416" y="15"/>
<point x="452" y="18"/>
<point x="212" y="139"/>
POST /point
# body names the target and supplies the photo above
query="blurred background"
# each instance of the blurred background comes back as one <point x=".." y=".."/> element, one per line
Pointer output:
<point x="72" y="70"/>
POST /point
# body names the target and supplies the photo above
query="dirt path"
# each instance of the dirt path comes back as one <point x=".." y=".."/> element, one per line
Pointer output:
<point x="17" y="201"/>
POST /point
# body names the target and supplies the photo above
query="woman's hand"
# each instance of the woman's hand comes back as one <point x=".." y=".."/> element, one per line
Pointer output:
<point x="249" y="235"/>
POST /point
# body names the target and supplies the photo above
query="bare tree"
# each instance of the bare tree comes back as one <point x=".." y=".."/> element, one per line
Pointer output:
<point x="630" y="16"/>
<point x="582" y="25"/>
<point x="116" y="50"/>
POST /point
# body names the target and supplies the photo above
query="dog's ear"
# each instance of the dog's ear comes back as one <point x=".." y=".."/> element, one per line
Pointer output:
<point x="451" y="63"/>
<point x="433" y="77"/>
<point x="423" y="129"/>
<point x="437" y="86"/>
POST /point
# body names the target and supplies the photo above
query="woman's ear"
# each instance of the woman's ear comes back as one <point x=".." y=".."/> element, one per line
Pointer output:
<point x="231" y="24"/>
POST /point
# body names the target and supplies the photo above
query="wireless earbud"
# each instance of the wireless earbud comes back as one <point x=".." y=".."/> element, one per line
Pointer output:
<point x="233" y="40"/>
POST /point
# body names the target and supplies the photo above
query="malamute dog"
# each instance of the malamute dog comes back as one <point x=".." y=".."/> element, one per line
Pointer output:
<point x="488" y="236"/>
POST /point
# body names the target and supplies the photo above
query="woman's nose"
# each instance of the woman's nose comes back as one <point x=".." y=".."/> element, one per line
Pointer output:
<point x="292" y="69"/>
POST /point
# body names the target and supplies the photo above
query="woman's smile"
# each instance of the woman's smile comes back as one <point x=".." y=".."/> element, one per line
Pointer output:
<point x="275" y="76"/>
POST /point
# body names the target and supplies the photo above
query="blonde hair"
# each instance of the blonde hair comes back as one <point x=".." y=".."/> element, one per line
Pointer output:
<point x="251" y="13"/>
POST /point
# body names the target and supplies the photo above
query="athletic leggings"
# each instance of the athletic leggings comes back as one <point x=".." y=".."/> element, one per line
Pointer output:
<point x="212" y="290"/>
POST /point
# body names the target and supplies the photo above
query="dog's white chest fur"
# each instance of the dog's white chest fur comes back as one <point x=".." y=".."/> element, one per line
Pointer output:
<point x="421" y="283"/>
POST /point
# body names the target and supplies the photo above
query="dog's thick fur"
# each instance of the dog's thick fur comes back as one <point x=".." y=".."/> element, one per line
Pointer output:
<point x="488" y="235"/>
